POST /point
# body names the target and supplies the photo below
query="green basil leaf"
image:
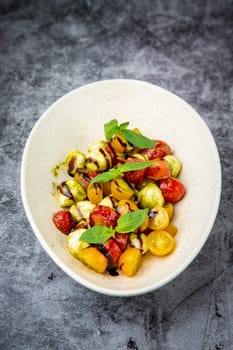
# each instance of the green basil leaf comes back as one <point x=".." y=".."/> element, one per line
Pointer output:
<point x="111" y="128"/>
<point x="106" y="176"/>
<point x="97" y="234"/>
<point x="130" y="221"/>
<point x="119" y="171"/>
<point x="123" y="126"/>
<point x="138" y="140"/>
<point x="133" y="166"/>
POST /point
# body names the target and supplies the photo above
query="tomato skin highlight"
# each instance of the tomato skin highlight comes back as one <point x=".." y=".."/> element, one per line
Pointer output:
<point x="160" y="150"/>
<point x="172" y="189"/>
<point x="159" y="170"/>
<point x="102" y="215"/>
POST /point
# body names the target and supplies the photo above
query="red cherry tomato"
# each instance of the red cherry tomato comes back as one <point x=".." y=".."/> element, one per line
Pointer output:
<point x="173" y="190"/>
<point x="159" y="170"/>
<point x="121" y="239"/>
<point x="113" y="252"/>
<point x="63" y="221"/>
<point x="102" y="215"/>
<point x="160" y="150"/>
<point x="135" y="176"/>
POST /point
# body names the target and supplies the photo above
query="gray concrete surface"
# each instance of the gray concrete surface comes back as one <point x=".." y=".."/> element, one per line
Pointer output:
<point x="48" y="48"/>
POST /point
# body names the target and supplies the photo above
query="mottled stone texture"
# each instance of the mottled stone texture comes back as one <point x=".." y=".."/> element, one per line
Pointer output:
<point x="48" y="48"/>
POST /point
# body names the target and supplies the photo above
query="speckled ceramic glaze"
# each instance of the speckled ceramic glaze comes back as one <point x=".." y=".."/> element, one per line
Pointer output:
<point x="74" y="122"/>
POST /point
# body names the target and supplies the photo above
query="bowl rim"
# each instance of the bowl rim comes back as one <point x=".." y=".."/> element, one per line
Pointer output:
<point x="49" y="250"/>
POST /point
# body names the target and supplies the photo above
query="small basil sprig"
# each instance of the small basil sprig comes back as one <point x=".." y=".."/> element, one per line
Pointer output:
<point x="112" y="128"/>
<point x="125" y="224"/>
<point x="137" y="140"/>
<point x="119" y="171"/>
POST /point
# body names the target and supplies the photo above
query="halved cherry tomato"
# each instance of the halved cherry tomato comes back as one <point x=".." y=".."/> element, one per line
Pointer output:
<point x="158" y="218"/>
<point x="160" y="243"/>
<point x="121" y="239"/>
<point x="160" y="150"/>
<point x="173" y="190"/>
<point x="112" y="251"/>
<point x="159" y="170"/>
<point x="135" y="176"/>
<point x="102" y="215"/>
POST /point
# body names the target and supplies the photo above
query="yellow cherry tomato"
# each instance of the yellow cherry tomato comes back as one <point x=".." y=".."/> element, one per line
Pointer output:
<point x="160" y="243"/>
<point x="171" y="229"/>
<point x="129" y="261"/>
<point x="170" y="209"/>
<point x="120" y="189"/>
<point x="94" y="259"/>
<point x="95" y="193"/>
<point x="158" y="218"/>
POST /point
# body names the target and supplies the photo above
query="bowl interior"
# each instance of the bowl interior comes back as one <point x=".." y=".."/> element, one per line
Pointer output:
<point x="74" y="122"/>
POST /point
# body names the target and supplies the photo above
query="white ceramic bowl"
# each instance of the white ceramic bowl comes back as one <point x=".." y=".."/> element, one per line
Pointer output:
<point x="74" y="122"/>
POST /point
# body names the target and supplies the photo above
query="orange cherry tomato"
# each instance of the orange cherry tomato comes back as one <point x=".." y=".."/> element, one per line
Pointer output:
<point x="159" y="170"/>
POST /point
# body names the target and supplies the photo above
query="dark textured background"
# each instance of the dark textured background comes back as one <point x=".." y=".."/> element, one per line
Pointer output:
<point x="48" y="48"/>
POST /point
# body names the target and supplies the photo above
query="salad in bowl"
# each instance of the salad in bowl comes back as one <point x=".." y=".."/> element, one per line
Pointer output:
<point x="118" y="201"/>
